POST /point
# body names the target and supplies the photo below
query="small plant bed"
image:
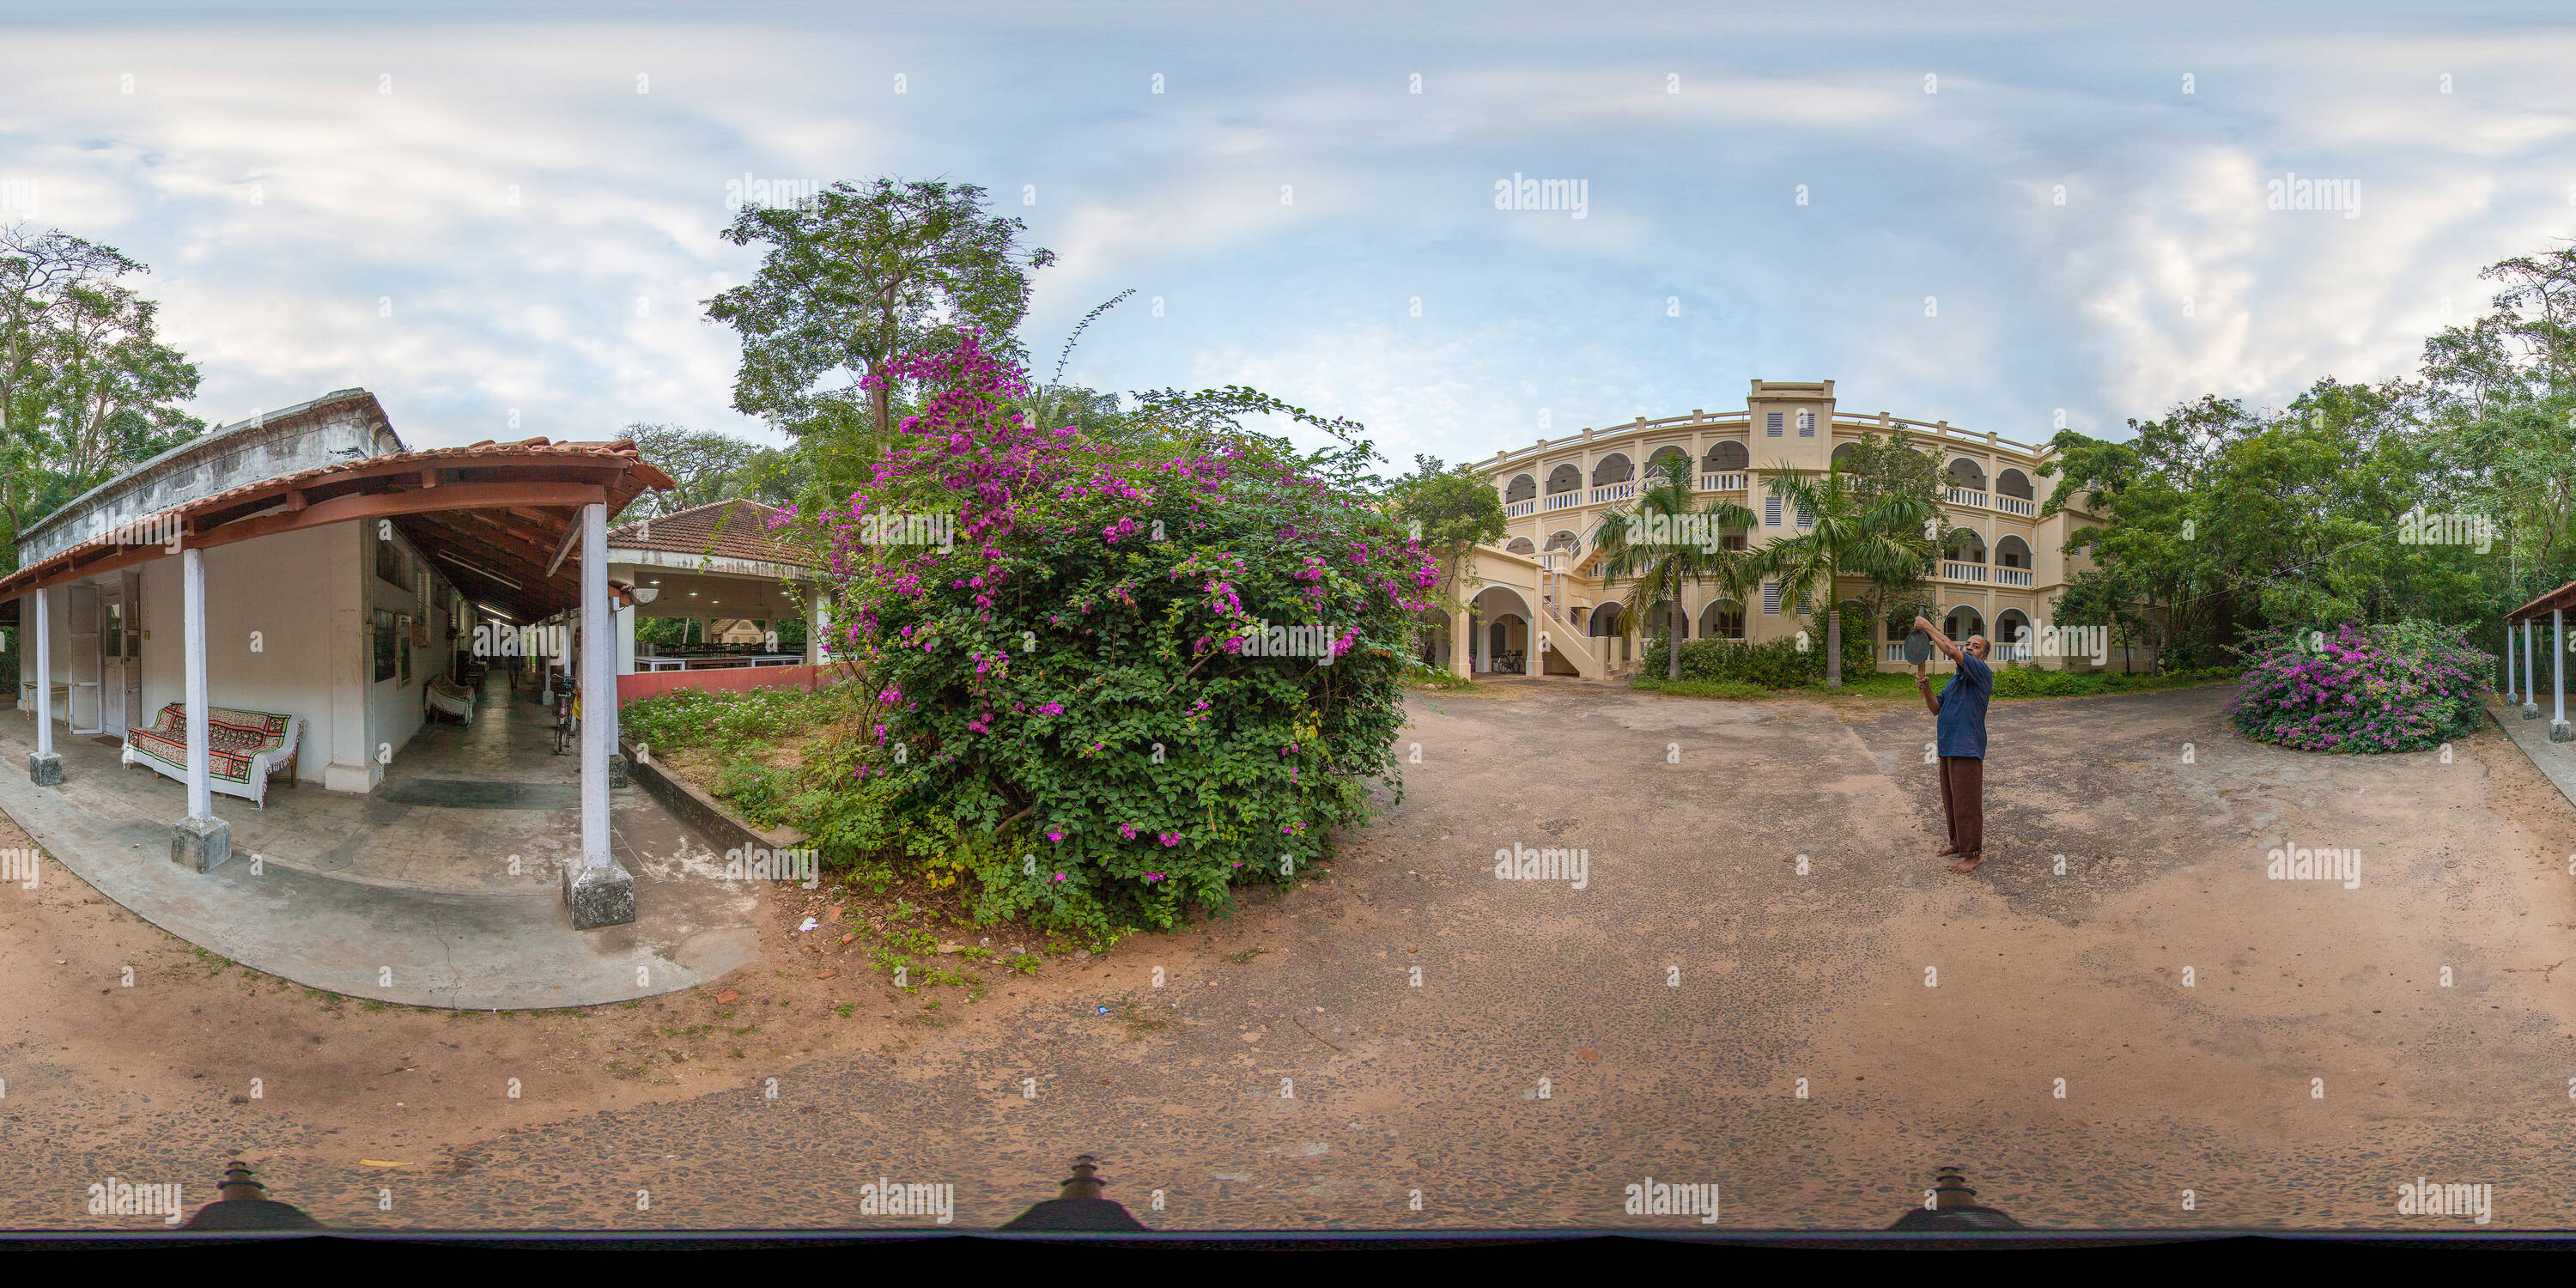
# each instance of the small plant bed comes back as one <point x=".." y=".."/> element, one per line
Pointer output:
<point x="746" y="749"/>
<point x="2404" y="686"/>
<point x="1432" y="677"/>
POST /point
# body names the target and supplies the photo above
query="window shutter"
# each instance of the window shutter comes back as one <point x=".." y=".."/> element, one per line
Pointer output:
<point x="1806" y="424"/>
<point x="1771" y="512"/>
<point x="1770" y="599"/>
<point x="1771" y="425"/>
<point x="1806" y="517"/>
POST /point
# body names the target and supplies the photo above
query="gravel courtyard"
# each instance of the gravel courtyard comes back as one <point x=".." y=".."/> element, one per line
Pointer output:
<point x="1759" y="915"/>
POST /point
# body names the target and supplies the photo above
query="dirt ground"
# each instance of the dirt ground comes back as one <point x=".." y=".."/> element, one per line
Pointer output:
<point x="1738" y="994"/>
<point x="104" y="998"/>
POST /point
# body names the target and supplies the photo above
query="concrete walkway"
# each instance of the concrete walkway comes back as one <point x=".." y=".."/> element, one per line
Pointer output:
<point x="440" y="888"/>
<point x="2556" y="761"/>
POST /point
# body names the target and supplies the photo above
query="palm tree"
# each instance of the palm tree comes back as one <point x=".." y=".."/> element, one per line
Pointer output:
<point x="1842" y="534"/>
<point x="1660" y="543"/>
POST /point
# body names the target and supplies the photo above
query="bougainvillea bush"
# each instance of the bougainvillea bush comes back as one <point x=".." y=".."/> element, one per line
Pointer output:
<point x="2400" y="687"/>
<point x="1079" y="706"/>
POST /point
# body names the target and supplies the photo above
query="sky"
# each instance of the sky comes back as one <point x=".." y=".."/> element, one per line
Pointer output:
<point x="503" y="219"/>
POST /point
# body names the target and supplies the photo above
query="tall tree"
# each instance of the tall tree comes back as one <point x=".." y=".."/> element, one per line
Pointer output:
<point x="86" y="387"/>
<point x="1896" y="465"/>
<point x="1845" y="533"/>
<point x="707" y="467"/>
<point x="1662" y="542"/>
<point x="856" y="276"/>
<point x="1450" y="510"/>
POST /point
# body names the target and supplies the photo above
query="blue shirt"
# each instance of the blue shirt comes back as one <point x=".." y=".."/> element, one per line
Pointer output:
<point x="1961" y="729"/>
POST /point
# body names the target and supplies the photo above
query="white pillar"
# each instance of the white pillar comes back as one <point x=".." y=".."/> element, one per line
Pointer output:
<point x="2530" y="694"/>
<point x="200" y="842"/>
<point x="2508" y="661"/>
<point x="814" y="629"/>
<point x="44" y="768"/>
<point x="626" y="640"/>
<point x="2558" y="730"/>
<point x="192" y="566"/>
<point x="44" y="673"/>
<point x="598" y="891"/>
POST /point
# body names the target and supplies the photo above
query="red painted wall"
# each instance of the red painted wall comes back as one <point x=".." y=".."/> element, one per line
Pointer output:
<point x="732" y="679"/>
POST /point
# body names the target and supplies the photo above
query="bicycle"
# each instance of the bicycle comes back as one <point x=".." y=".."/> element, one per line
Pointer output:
<point x="567" y="720"/>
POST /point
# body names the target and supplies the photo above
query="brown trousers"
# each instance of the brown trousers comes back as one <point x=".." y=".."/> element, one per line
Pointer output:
<point x="1963" y="802"/>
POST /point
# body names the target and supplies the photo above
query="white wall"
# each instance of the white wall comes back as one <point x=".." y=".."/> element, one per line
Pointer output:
<point x="287" y="589"/>
<point x="268" y="621"/>
<point x="397" y="710"/>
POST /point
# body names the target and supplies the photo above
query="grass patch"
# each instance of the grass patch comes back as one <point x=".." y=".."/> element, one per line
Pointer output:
<point x="1140" y="1021"/>
<point x="1246" y="955"/>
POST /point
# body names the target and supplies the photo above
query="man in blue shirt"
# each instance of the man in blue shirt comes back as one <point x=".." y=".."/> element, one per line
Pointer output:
<point x="1960" y="741"/>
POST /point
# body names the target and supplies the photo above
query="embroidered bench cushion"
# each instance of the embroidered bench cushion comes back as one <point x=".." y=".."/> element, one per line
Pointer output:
<point x="233" y="737"/>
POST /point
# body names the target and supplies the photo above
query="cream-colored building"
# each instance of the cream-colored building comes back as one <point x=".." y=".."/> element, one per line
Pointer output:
<point x="1540" y="605"/>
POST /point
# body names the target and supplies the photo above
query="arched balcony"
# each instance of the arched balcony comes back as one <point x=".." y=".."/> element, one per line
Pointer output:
<point x="1725" y="467"/>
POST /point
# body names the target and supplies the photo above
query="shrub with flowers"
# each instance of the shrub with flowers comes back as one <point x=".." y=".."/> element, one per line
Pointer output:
<point x="2400" y="687"/>
<point x="1084" y="691"/>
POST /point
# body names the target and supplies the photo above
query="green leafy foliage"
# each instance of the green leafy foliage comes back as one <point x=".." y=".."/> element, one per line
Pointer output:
<point x="1773" y="664"/>
<point x="1082" y="709"/>
<point x="2401" y="686"/>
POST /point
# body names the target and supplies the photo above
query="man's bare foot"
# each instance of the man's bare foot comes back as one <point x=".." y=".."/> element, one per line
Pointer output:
<point x="1968" y="864"/>
<point x="1945" y="851"/>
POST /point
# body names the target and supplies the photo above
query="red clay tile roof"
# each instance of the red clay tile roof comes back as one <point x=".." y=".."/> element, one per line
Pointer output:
<point x="534" y="458"/>
<point x="729" y="529"/>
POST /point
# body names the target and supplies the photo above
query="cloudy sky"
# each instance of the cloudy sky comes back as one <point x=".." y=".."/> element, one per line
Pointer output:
<point x="1991" y="214"/>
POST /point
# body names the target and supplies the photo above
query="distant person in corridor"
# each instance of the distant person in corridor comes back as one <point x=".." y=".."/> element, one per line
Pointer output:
<point x="1959" y="739"/>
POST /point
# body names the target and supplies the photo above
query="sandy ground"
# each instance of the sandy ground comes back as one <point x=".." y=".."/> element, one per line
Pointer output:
<point x="1562" y="1043"/>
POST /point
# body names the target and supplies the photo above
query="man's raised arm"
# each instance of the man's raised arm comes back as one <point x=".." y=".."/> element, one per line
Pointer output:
<point x="1939" y="640"/>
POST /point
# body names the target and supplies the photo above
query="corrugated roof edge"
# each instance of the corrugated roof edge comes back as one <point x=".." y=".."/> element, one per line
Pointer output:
<point x="80" y="504"/>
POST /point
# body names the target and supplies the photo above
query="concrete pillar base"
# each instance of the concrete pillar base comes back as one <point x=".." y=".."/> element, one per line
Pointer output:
<point x="45" y="768"/>
<point x="2561" y="731"/>
<point x="2531" y="711"/>
<point x="599" y="897"/>
<point x="201" y="844"/>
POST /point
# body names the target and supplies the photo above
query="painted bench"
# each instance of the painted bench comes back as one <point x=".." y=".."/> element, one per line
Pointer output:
<point x="446" y="697"/>
<point x="243" y="748"/>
